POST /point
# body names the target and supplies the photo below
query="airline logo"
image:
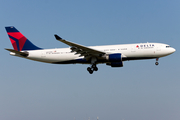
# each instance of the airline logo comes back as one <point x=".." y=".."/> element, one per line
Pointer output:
<point x="17" y="39"/>
<point x="145" y="46"/>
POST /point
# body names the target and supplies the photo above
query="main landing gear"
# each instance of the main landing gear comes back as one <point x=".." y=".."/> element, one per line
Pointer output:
<point x="93" y="67"/>
<point x="157" y="63"/>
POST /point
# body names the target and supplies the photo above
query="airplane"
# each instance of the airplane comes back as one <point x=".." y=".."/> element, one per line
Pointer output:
<point x="111" y="55"/>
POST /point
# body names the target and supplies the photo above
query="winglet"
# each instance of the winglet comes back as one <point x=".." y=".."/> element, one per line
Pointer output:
<point x="57" y="37"/>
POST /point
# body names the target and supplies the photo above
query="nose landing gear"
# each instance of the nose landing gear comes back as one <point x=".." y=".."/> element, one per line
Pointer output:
<point x="157" y="63"/>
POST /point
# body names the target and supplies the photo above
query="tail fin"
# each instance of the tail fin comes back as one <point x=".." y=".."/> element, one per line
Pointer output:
<point x="19" y="41"/>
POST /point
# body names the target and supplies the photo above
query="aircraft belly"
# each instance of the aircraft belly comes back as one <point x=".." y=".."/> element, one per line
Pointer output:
<point x="51" y="58"/>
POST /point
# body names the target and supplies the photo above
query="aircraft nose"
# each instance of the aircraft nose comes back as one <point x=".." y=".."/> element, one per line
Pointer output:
<point x="173" y="50"/>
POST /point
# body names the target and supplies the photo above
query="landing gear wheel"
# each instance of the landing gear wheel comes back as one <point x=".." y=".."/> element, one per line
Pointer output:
<point x="93" y="65"/>
<point x="156" y="63"/>
<point x="89" y="70"/>
<point x="95" y="69"/>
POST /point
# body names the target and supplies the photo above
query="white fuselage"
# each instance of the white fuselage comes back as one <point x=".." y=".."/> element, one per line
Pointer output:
<point x="128" y="51"/>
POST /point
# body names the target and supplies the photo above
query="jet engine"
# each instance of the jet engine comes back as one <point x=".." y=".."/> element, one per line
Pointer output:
<point x="114" y="60"/>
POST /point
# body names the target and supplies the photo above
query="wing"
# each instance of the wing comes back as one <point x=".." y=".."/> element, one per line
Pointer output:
<point x="80" y="49"/>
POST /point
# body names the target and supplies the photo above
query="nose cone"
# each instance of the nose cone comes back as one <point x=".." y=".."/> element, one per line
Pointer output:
<point x="173" y="50"/>
<point x="169" y="51"/>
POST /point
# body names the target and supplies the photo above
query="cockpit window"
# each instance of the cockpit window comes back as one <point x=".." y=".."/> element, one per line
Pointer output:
<point x="168" y="46"/>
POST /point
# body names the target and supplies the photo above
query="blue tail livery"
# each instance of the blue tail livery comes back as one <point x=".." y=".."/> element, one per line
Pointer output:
<point x="19" y="41"/>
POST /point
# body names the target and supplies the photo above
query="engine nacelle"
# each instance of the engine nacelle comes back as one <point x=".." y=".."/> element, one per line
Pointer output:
<point x="116" y="57"/>
<point x="115" y="64"/>
<point x="114" y="60"/>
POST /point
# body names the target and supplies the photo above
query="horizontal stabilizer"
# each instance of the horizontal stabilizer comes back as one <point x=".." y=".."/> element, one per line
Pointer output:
<point x="24" y="54"/>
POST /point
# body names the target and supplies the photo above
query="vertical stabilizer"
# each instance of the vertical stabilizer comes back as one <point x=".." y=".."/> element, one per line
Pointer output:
<point x="19" y="41"/>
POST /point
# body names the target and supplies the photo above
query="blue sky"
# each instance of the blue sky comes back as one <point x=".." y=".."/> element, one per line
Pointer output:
<point x="138" y="91"/>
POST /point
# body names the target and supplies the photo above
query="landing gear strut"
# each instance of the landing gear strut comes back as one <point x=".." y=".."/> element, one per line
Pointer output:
<point x="157" y="63"/>
<point x="93" y="66"/>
